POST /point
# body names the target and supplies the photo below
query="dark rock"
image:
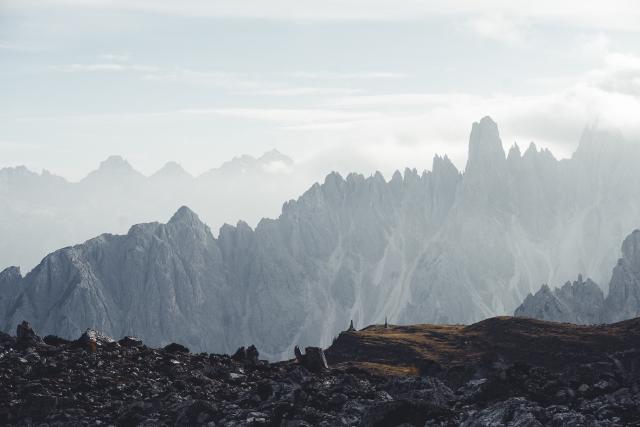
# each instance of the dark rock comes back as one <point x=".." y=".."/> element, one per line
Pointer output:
<point x="315" y="360"/>
<point x="56" y="341"/>
<point x="130" y="384"/>
<point x="25" y="335"/>
<point x="196" y="412"/>
<point x="39" y="406"/>
<point x="176" y="348"/>
<point x="91" y="340"/>
<point x="240" y="355"/>
<point x="264" y="390"/>
<point x="401" y="412"/>
<point x="248" y="356"/>
<point x="130" y="342"/>
<point x="252" y="354"/>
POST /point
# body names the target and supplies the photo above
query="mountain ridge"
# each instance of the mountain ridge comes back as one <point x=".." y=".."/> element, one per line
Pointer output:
<point x="438" y="247"/>
<point x="583" y="302"/>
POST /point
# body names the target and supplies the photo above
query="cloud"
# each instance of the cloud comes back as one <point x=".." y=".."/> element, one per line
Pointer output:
<point x="239" y="82"/>
<point x="621" y="75"/>
<point x="620" y="15"/>
<point x="497" y="27"/>
<point x="13" y="46"/>
<point x="101" y="67"/>
<point x="18" y="145"/>
<point x="298" y="91"/>
<point x="278" y="167"/>
<point x="284" y="116"/>
<point x="374" y="75"/>
<point x="114" y="57"/>
<point x="387" y="131"/>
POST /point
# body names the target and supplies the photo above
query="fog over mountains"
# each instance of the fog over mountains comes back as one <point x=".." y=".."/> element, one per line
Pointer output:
<point x="583" y="302"/>
<point x="40" y="213"/>
<point x="438" y="246"/>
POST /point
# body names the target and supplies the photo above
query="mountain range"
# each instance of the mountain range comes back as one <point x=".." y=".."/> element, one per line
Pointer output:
<point x="583" y="302"/>
<point x="441" y="246"/>
<point x="40" y="213"/>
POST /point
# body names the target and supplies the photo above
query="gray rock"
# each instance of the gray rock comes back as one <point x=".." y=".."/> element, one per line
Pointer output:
<point x="580" y="302"/>
<point x="623" y="301"/>
<point x="440" y="246"/>
<point x="584" y="303"/>
<point x="92" y="339"/>
<point x="314" y="359"/>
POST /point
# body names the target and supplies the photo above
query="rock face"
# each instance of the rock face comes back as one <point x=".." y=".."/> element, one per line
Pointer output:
<point x="623" y="301"/>
<point x="593" y="381"/>
<point x="40" y="213"/>
<point x="584" y="303"/>
<point x="9" y="286"/>
<point x="580" y="302"/>
<point x="437" y="247"/>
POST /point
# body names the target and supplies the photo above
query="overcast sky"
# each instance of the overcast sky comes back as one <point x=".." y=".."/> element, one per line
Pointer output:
<point x="350" y="85"/>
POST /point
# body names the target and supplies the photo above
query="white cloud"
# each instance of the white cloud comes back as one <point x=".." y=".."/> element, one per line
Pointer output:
<point x="13" y="46"/>
<point x="99" y="67"/>
<point x="286" y="116"/>
<point x="621" y="74"/>
<point x="240" y="82"/>
<point x="114" y="57"/>
<point x="298" y="91"/>
<point x="497" y="27"/>
<point x="388" y="131"/>
<point x="622" y="15"/>
<point x="374" y="75"/>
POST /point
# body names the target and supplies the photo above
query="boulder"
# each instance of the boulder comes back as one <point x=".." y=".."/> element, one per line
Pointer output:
<point x="130" y="342"/>
<point x="56" y="341"/>
<point x="91" y="340"/>
<point x="176" y="348"/>
<point x="315" y="360"/>
<point x="25" y="335"/>
<point x="247" y="356"/>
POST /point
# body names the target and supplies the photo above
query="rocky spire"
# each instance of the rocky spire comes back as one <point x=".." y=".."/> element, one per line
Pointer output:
<point x="351" y="328"/>
<point x="623" y="301"/>
<point x="184" y="215"/>
<point x="514" y="155"/>
<point x="485" y="147"/>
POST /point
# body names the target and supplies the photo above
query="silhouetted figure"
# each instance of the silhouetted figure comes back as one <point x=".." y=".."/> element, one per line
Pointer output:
<point x="351" y="328"/>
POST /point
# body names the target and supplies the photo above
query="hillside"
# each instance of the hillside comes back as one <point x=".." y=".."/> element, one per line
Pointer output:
<point x="502" y="371"/>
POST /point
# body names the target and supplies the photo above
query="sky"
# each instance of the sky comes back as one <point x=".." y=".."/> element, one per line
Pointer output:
<point x="348" y="85"/>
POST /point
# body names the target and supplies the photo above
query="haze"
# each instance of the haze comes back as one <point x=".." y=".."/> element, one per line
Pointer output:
<point x="348" y="86"/>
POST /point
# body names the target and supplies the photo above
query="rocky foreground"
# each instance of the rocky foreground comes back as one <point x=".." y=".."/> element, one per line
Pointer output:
<point x="502" y="371"/>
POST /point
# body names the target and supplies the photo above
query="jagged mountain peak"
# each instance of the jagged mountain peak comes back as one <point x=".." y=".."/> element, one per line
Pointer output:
<point x="171" y="170"/>
<point x="531" y="150"/>
<point x="113" y="168"/>
<point x="397" y="176"/>
<point x="10" y="274"/>
<point x="16" y="170"/>
<point x="271" y="161"/>
<point x="596" y="140"/>
<point x="514" y="153"/>
<point x="115" y="162"/>
<point x="443" y="165"/>
<point x="485" y="147"/>
<point x="333" y="178"/>
<point x="275" y="156"/>
<point x="631" y="249"/>
<point x="184" y="215"/>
